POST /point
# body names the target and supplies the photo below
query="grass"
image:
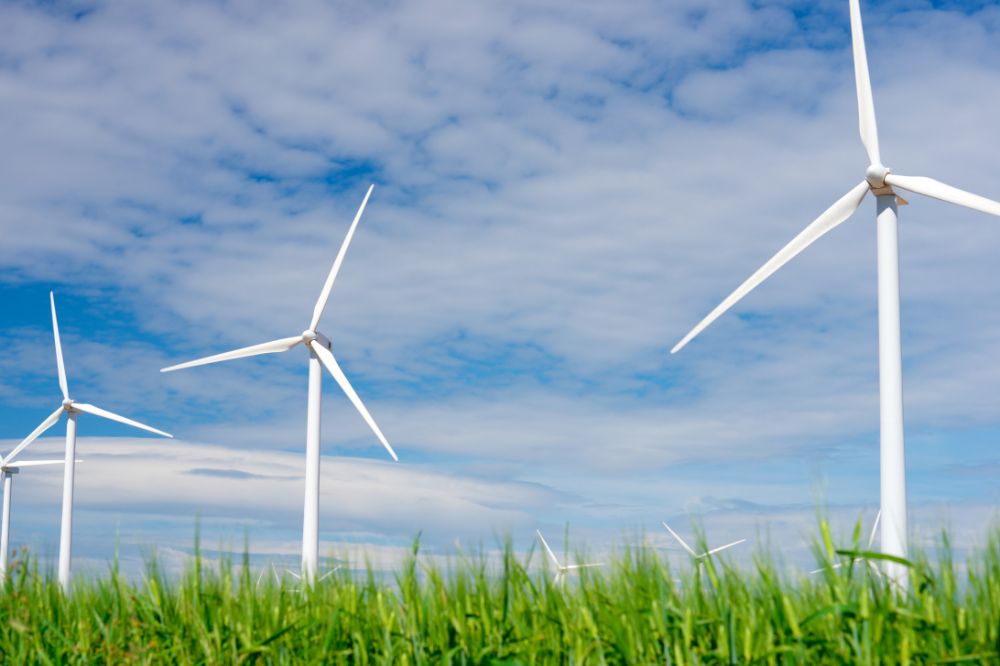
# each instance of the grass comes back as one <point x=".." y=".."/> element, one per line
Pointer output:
<point x="484" y="611"/>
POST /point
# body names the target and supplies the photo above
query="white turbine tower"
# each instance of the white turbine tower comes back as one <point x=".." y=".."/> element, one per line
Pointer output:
<point x="690" y="550"/>
<point x="71" y="408"/>
<point x="320" y="356"/>
<point x="880" y="181"/>
<point x="563" y="569"/>
<point x="8" y="468"/>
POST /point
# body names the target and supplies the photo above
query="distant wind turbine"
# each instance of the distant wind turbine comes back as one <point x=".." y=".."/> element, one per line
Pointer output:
<point x="277" y="576"/>
<point x="320" y="356"/>
<point x="71" y="408"/>
<point x="563" y="569"/>
<point x="8" y="468"/>
<point x="871" y="540"/>
<point x="298" y="577"/>
<point x="880" y="181"/>
<point x="691" y="551"/>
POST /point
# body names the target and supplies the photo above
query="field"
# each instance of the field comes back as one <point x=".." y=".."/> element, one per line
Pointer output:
<point x="485" y="610"/>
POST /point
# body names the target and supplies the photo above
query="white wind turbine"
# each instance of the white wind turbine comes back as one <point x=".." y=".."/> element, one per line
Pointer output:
<point x="691" y="551"/>
<point x="71" y="408"/>
<point x="880" y="181"/>
<point x="8" y="468"/>
<point x="298" y="577"/>
<point x="320" y="356"/>
<point x="563" y="569"/>
<point x="871" y="540"/>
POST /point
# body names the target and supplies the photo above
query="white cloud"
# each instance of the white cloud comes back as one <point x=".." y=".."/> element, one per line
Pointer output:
<point x="562" y="192"/>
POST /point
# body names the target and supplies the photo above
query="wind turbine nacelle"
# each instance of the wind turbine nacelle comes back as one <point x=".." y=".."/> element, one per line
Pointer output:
<point x="323" y="340"/>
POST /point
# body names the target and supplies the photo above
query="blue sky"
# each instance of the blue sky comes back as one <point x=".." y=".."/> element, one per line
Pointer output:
<point x="562" y="191"/>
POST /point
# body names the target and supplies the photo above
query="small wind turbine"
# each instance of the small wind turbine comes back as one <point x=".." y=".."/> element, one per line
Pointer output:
<point x="71" y="408"/>
<point x="690" y="550"/>
<point x="871" y="540"/>
<point x="277" y="576"/>
<point x="880" y="181"/>
<point x="298" y="577"/>
<point x="320" y="356"/>
<point x="8" y="468"/>
<point x="274" y="572"/>
<point x="563" y="569"/>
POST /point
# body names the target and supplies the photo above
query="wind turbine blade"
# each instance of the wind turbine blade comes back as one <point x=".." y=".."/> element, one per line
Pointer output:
<point x="681" y="541"/>
<point x="721" y="548"/>
<point x="938" y="190"/>
<point x="97" y="411"/>
<point x="866" y="104"/>
<point x="831" y="217"/>
<point x="49" y="421"/>
<point x="552" y="556"/>
<point x="325" y="294"/>
<point x="273" y="347"/>
<point x="36" y="463"/>
<point x="871" y="536"/>
<point x="63" y="384"/>
<point x="327" y="359"/>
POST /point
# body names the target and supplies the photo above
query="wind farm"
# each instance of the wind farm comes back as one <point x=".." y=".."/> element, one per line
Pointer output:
<point x="548" y="194"/>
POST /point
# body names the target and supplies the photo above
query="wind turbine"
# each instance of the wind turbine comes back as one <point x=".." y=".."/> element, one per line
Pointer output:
<point x="8" y="468"/>
<point x="880" y="181"/>
<point x="871" y="540"/>
<point x="562" y="569"/>
<point x="320" y="356"/>
<point x="690" y="550"/>
<point x="71" y="408"/>
<point x="297" y="577"/>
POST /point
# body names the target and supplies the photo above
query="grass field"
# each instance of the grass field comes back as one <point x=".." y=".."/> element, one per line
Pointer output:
<point x="493" y="610"/>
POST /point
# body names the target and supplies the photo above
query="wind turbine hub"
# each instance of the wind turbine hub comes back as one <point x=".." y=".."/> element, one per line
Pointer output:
<point x="875" y="175"/>
<point x="67" y="404"/>
<point x="308" y="335"/>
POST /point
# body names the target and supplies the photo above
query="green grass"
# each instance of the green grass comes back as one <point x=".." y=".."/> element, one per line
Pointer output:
<point x="491" y="611"/>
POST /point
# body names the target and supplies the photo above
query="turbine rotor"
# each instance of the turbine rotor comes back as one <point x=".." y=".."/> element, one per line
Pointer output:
<point x="875" y="175"/>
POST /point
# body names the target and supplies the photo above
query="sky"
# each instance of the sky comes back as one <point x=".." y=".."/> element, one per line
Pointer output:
<point x="562" y="190"/>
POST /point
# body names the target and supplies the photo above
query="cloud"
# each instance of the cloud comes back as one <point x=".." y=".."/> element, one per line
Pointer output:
<point x="561" y="191"/>
<point x="175" y="482"/>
